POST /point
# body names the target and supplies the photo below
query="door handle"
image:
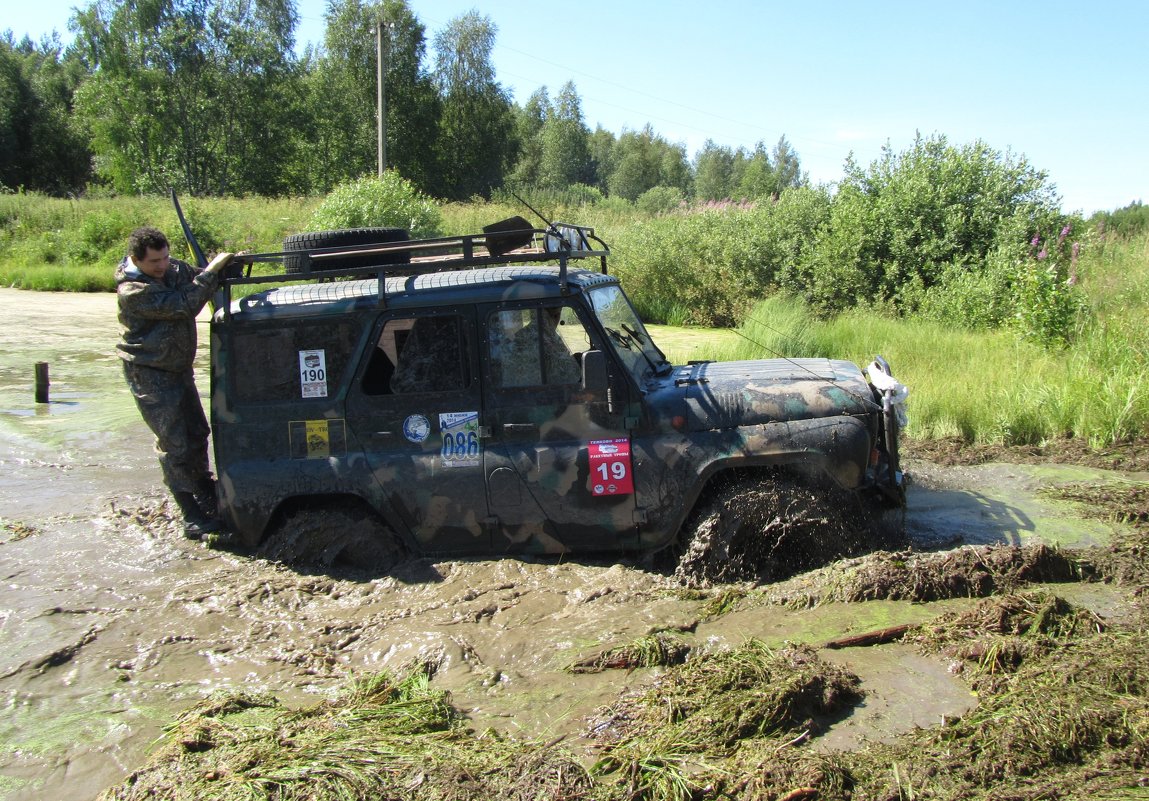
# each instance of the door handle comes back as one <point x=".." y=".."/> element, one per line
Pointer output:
<point x="519" y="428"/>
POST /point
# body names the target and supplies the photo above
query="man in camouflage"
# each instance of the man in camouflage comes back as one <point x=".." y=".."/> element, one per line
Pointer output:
<point x="159" y="298"/>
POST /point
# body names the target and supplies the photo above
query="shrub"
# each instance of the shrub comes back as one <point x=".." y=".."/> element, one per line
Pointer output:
<point x="708" y="265"/>
<point x="904" y="222"/>
<point x="660" y="199"/>
<point x="1048" y="307"/>
<point x="390" y="201"/>
<point x="1132" y="220"/>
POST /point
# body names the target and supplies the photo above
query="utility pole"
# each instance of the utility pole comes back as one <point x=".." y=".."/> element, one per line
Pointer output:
<point x="382" y="51"/>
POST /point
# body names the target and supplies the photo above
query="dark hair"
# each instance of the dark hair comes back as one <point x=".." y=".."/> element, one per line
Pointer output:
<point x="143" y="238"/>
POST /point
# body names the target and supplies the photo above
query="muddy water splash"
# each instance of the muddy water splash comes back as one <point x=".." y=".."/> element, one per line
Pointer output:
<point x="110" y="622"/>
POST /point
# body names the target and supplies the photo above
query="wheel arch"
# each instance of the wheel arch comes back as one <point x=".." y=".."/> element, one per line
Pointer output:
<point x="294" y="503"/>
<point x="810" y="466"/>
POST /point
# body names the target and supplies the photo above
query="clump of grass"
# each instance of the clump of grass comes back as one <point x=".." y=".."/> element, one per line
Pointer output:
<point x="1070" y="722"/>
<point x="666" y="742"/>
<point x="387" y="736"/>
<point x="905" y="576"/>
<point x="723" y="602"/>
<point x="17" y="530"/>
<point x="654" y="650"/>
<point x="998" y="634"/>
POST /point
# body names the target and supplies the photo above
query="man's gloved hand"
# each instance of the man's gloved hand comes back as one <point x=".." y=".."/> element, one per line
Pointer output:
<point x="219" y="262"/>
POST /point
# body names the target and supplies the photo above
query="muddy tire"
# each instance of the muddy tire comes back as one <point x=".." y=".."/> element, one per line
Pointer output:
<point x="334" y="536"/>
<point x="294" y="263"/>
<point x="756" y="529"/>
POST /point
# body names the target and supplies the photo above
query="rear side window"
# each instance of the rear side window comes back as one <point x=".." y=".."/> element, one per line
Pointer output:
<point x="418" y="354"/>
<point x="292" y="362"/>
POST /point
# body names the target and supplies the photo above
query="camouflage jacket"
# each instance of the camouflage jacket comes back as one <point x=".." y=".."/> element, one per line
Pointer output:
<point x="158" y="315"/>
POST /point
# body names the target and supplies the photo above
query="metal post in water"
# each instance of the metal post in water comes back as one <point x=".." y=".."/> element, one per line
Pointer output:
<point x="42" y="382"/>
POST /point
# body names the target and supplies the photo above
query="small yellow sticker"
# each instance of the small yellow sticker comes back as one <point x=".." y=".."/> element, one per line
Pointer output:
<point x="317" y="439"/>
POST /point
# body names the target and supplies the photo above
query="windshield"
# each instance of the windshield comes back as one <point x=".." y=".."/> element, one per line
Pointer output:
<point x="627" y="334"/>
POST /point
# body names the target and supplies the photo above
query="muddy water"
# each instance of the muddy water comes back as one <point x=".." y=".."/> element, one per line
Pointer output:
<point x="111" y="623"/>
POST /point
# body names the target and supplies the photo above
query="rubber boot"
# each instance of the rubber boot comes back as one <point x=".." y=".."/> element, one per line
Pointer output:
<point x="206" y="498"/>
<point x="196" y="523"/>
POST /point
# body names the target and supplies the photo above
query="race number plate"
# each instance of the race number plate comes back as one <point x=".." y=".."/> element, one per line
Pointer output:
<point x="461" y="446"/>
<point x="610" y="472"/>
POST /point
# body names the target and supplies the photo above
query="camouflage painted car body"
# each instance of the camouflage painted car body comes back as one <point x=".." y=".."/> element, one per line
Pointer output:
<point x="315" y="398"/>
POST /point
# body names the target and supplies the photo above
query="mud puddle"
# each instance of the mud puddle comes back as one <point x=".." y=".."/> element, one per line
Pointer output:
<point x="111" y="623"/>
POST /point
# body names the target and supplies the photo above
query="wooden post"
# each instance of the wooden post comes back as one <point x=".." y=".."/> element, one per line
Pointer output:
<point x="42" y="382"/>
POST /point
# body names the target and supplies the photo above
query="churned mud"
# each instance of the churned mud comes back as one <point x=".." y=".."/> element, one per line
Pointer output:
<point x="997" y="643"/>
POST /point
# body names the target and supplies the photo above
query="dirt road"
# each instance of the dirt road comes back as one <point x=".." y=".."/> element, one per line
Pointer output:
<point x="111" y="623"/>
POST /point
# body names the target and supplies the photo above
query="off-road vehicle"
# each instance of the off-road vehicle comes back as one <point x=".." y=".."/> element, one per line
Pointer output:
<point x="485" y="394"/>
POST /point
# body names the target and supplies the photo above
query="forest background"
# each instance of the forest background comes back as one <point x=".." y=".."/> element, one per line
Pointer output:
<point x="1014" y="321"/>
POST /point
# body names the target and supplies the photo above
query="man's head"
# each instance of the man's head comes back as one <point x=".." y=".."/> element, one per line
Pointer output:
<point x="551" y="316"/>
<point x="150" y="251"/>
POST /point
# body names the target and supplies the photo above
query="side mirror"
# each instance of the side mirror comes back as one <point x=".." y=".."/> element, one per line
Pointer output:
<point x="594" y="375"/>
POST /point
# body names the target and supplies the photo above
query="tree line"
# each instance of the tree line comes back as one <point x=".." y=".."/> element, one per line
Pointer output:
<point x="211" y="97"/>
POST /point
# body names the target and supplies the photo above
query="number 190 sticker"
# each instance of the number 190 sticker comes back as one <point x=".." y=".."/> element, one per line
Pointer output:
<point x="313" y="374"/>
<point x="461" y="446"/>
<point x="610" y="472"/>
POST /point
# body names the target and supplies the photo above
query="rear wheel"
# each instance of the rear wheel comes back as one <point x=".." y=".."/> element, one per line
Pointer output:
<point x="334" y="535"/>
<point x="297" y="245"/>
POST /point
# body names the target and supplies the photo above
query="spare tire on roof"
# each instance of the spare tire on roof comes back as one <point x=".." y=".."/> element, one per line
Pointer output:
<point x="315" y="240"/>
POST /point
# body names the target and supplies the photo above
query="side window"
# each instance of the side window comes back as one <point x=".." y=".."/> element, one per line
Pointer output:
<point x="291" y="361"/>
<point x="417" y="354"/>
<point x="536" y="346"/>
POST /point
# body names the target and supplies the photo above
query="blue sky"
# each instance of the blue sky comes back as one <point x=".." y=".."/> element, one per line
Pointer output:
<point x="1064" y="84"/>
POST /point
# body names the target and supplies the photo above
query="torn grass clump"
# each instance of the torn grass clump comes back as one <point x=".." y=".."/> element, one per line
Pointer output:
<point x="654" y="650"/>
<point x="905" y="576"/>
<point x="1070" y="722"/>
<point x="996" y="636"/>
<point x="666" y="741"/>
<point x="386" y="737"/>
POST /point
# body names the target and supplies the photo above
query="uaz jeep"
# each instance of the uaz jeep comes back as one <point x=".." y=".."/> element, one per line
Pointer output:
<point x="484" y="394"/>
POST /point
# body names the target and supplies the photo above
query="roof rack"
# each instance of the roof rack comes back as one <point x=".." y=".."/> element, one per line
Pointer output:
<point x="499" y="244"/>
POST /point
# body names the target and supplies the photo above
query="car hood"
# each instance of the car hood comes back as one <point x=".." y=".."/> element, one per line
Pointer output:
<point x="716" y="395"/>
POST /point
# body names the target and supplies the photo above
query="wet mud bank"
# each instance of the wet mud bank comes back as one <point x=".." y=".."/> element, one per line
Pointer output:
<point x="510" y="678"/>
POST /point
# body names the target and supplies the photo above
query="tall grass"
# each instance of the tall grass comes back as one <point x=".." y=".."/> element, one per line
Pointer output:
<point x="987" y="387"/>
<point x="66" y="244"/>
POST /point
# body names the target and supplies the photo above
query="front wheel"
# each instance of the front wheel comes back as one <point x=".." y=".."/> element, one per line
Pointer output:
<point x="766" y="529"/>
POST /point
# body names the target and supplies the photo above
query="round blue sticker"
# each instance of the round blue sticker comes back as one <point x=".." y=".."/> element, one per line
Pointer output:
<point x="416" y="428"/>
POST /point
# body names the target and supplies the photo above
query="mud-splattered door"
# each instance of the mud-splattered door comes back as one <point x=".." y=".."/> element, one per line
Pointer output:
<point x="557" y="459"/>
<point x="414" y="409"/>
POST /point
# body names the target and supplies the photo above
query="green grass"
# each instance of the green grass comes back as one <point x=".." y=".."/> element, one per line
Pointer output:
<point x="64" y="244"/>
<point x="986" y="387"/>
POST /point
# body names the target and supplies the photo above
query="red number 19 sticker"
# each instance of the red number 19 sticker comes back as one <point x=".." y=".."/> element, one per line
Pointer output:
<point x="610" y="467"/>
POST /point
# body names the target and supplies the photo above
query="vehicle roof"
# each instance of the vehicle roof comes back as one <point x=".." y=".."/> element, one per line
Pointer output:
<point x="432" y="289"/>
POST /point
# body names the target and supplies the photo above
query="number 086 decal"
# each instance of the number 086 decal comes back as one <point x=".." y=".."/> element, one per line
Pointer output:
<point x="610" y="471"/>
<point x="461" y="446"/>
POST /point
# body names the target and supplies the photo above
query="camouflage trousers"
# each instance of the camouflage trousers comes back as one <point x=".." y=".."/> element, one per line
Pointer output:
<point x="170" y="405"/>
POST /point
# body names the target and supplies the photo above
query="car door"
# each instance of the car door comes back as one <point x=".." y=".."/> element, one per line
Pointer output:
<point x="556" y="454"/>
<point x="414" y="409"/>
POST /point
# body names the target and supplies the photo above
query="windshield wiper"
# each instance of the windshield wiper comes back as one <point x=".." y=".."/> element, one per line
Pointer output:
<point x="639" y="336"/>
